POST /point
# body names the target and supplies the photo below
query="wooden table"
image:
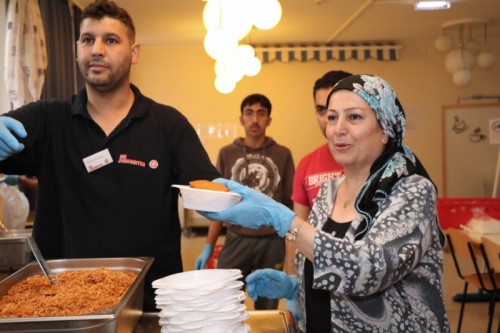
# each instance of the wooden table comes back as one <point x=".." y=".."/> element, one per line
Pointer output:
<point x="494" y="237"/>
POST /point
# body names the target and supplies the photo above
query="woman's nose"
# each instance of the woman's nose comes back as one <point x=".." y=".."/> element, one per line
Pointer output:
<point x="340" y="127"/>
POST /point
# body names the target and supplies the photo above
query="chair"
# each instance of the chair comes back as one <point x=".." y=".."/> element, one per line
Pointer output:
<point x="491" y="254"/>
<point x="465" y="257"/>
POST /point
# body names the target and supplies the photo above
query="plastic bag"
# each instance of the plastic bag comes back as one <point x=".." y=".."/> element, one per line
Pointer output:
<point x="16" y="207"/>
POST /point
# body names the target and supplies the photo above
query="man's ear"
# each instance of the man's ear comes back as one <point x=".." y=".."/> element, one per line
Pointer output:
<point x="269" y="120"/>
<point x="136" y="50"/>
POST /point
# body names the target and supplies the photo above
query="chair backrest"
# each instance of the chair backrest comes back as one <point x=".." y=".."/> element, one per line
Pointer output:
<point x="492" y="253"/>
<point x="458" y="241"/>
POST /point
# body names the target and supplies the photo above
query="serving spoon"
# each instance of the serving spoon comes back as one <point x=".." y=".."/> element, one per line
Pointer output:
<point x="41" y="260"/>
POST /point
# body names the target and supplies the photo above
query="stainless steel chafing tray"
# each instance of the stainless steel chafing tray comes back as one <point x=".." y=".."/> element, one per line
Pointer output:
<point x="14" y="249"/>
<point x="121" y="318"/>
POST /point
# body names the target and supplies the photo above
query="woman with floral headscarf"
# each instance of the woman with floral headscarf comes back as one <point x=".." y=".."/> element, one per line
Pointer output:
<point x="369" y="258"/>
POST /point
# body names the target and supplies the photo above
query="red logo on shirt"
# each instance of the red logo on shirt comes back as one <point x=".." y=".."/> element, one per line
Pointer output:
<point x="153" y="164"/>
<point x="123" y="159"/>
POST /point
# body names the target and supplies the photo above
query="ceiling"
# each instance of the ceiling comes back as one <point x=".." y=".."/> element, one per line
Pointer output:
<point x="179" y="22"/>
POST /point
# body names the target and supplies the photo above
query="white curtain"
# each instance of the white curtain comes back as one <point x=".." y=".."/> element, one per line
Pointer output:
<point x="25" y="52"/>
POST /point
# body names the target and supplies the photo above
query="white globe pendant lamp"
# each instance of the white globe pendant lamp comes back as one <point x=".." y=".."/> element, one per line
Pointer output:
<point x="486" y="60"/>
<point x="230" y="15"/>
<point x="224" y="85"/>
<point x="219" y="44"/>
<point x="443" y="43"/>
<point x="462" y="77"/>
<point x="472" y="45"/>
<point x="266" y="13"/>
<point x="459" y="58"/>
<point x="227" y="22"/>
<point x="252" y="66"/>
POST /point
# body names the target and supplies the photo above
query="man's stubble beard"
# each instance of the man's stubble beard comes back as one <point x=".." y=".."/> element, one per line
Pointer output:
<point x="106" y="84"/>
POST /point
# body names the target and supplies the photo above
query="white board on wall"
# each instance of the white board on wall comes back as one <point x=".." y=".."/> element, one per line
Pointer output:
<point x="469" y="156"/>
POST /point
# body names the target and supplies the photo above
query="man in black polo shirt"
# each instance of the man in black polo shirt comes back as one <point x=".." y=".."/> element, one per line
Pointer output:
<point x="106" y="159"/>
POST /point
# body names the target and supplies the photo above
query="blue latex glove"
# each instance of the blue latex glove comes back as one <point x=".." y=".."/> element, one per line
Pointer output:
<point x="9" y="144"/>
<point x="254" y="210"/>
<point x="272" y="284"/>
<point x="11" y="180"/>
<point x="201" y="261"/>
<point x="298" y="316"/>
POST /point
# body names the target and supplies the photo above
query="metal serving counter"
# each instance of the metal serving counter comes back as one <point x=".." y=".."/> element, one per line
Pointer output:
<point x="263" y="321"/>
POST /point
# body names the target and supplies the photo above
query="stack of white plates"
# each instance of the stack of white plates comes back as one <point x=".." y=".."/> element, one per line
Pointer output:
<point x="207" y="301"/>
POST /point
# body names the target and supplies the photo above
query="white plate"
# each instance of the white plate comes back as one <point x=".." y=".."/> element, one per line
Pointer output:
<point x="205" y="311"/>
<point x="202" y="290"/>
<point x="201" y="305"/>
<point x="205" y="278"/>
<point x="225" y="318"/>
<point x="222" y="328"/>
<point x="197" y="301"/>
<point x="207" y="200"/>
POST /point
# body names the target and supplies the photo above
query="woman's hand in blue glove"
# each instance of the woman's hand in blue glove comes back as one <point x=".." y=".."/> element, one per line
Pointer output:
<point x="9" y="145"/>
<point x="254" y="210"/>
<point x="271" y="283"/>
<point x="201" y="261"/>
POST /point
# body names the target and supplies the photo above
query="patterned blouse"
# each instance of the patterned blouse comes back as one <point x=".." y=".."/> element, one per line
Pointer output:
<point x="391" y="279"/>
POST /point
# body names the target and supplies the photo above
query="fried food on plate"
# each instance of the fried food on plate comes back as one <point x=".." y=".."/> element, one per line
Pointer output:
<point x="208" y="185"/>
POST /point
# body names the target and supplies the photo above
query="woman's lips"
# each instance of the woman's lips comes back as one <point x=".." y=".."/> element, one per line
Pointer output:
<point x="341" y="146"/>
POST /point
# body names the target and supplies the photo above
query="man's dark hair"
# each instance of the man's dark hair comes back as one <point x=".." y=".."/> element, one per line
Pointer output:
<point x="104" y="8"/>
<point x="257" y="98"/>
<point x="329" y="80"/>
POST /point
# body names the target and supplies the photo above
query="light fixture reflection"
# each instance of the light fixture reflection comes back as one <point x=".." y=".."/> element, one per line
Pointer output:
<point x="432" y="5"/>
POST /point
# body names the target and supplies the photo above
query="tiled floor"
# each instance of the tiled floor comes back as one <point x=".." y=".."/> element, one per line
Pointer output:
<point x="475" y="316"/>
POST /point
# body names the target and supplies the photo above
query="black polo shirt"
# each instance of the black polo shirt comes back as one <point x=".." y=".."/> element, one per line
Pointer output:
<point x="126" y="208"/>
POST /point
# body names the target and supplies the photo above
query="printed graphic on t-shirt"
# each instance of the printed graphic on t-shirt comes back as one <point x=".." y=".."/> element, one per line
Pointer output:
<point x="258" y="172"/>
<point x="315" y="180"/>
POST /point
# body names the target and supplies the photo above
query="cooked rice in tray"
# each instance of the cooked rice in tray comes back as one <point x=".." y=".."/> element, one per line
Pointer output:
<point x="76" y="292"/>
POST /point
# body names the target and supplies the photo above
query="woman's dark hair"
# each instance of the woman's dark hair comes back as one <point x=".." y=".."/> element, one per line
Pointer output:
<point x="104" y="8"/>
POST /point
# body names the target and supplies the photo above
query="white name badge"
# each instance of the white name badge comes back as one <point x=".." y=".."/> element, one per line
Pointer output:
<point x="97" y="160"/>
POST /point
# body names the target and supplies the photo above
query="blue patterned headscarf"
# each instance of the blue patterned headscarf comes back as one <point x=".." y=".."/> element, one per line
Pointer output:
<point x="397" y="160"/>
